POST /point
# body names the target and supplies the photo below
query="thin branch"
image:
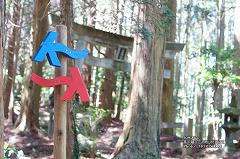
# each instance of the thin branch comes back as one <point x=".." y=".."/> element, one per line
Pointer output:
<point x="98" y="50"/>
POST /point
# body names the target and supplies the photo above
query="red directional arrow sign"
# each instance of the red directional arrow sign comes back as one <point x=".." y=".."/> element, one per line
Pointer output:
<point x="75" y="84"/>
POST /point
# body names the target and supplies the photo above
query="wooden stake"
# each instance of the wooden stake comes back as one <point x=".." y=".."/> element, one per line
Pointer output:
<point x="60" y="107"/>
<point x="187" y="131"/>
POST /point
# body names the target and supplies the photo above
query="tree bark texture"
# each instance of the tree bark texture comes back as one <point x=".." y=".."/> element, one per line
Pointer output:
<point x="30" y="102"/>
<point x="200" y="111"/>
<point x="236" y="43"/>
<point x="141" y="133"/>
<point x="91" y="21"/>
<point x="60" y="107"/>
<point x="218" y="98"/>
<point x="67" y="20"/>
<point x="119" y="105"/>
<point x="12" y="53"/>
<point x="108" y="85"/>
<point x="218" y="90"/>
<point x="40" y="30"/>
<point x="2" y="24"/>
<point x="186" y="62"/>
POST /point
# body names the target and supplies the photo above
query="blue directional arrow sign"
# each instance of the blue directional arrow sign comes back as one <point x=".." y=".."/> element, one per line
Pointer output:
<point x="50" y="48"/>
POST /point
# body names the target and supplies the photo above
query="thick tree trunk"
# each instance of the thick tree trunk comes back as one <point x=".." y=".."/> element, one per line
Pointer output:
<point x="140" y="138"/>
<point x="40" y="29"/>
<point x="2" y="24"/>
<point x="29" y="115"/>
<point x="12" y="53"/>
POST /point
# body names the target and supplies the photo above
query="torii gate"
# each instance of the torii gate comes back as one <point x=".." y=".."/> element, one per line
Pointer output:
<point x="85" y="34"/>
<point x="123" y="44"/>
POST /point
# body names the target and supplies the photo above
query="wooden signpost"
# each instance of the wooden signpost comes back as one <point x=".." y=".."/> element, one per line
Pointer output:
<point x="55" y="43"/>
<point x="60" y="107"/>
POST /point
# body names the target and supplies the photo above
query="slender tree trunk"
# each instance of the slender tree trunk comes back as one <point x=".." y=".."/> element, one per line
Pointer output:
<point x="186" y="63"/>
<point x="12" y="53"/>
<point x="106" y="98"/>
<point x="108" y="85"/>
<point x="119" y="105"/>
<point x="178" y="65"/>
<point x="91" y="21"/>
<point x="12" y="99"/>
<point x="202" y="114"/>
<point x="30" y="101"/>
<point x="2" y="24"/>
<point x="60" y="107"/>
<point x="141" y="133"/>
<point x="236" y="43"/>
<point x="95" y="93"/>
<point x="218" y="98"/>
<point x="200" y="110"/>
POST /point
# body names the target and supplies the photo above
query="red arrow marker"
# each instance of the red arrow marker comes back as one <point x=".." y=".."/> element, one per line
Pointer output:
<point x="75" y="84"/>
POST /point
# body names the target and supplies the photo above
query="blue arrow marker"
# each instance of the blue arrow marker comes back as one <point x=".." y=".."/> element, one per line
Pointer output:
<point x="50" y="48"/>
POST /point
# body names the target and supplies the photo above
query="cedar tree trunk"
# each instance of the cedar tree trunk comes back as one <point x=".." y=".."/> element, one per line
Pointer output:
<point x="140" y="138"/>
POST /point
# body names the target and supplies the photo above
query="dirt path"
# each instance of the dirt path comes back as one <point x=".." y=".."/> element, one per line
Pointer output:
<point x="108" y="137"/>
<point x="39" y="146"/>
<point x="33" y="144"/>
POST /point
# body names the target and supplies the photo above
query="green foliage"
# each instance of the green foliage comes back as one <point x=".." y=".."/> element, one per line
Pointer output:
<point x="119" y="75"/>
<point x="218" y="65"/>
<point x="161" y="18"/>
<point x="48" y="74"/>
<point x="230" y="111"/>
<point x="145" y="33"/>
<point x="34" y="152"/>
<point x="149" y="2"/>
<point x="18" y="82"/>
<point x="85" y="123"/>
<point x="201" y="12"/>
<point x="11" y="152"/>
<point x="76" y="151"/>
<point x="97" y="112"/>
<point x="167" y="16"/>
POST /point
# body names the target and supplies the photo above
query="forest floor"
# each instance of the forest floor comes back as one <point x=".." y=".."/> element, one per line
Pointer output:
<point x="39" y="146"/>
